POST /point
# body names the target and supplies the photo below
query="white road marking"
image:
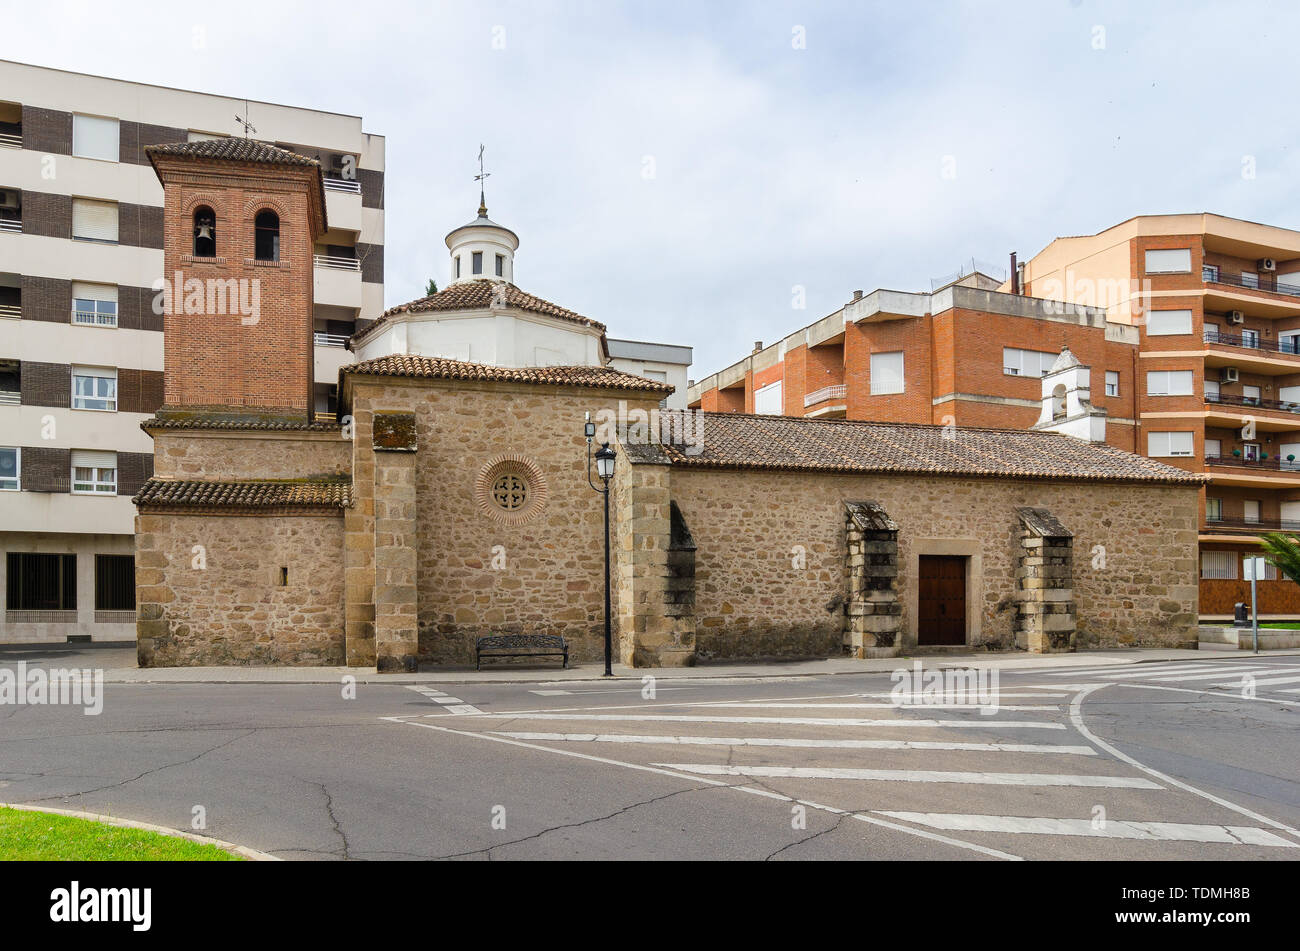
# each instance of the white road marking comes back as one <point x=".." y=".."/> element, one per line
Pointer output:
<point x="797" y="721"/>
<point x="913" y="775"/>
<point x="798" y="743"/>
<point x="870" y="820"/>
<point x="877" y="706"/>
<point x="1139" y="670"/>
<point x="453" y="705"/>
<point x="552" y="693"/>
<point x="1202" y="673"/>
<point x="1114" y="828"/>
<point x="1260" y="681"/>
<point x="1076" y="717"/>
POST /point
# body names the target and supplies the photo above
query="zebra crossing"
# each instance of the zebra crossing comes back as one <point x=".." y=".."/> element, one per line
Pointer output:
<point x="1279" y="677"/>
<point x="1003" y="786"/>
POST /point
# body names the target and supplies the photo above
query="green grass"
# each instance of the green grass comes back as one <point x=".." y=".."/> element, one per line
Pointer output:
<point x="44" y="836"/>
<point x="1284" y="625"/>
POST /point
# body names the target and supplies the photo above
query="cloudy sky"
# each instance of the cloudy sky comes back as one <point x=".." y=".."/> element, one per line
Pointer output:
<point x="674" y="169"/>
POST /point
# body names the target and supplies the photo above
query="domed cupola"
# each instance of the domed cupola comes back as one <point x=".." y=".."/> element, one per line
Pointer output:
<point x="482" y="249"/>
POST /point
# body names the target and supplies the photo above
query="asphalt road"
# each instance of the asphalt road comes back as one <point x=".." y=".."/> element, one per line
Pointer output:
<point x="1153" y="761"/>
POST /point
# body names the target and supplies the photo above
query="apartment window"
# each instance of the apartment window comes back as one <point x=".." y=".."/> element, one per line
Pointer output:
<point x="1250" y="510"/>
<point x="1250" y="451"/>
<point x="501" y="265"/>
<point x="1249" y="279"/>
<point x="1112" y="383"/>
<point x="767" y="399"/>
<point x="1033" y="363"/>
<point x="1250" y="394"/>
<point x="1209" y="272"/>
<point x="1213" y="449"/>
<point x="10" y="468"/>
<point x="1169" y="323"/>
<point x="94" y="305"/>
<point x="94" y="472"/>
<point x="94" y="220"/>
<point x="887" y="372"/>
<point x="1214" y="510"/>
<point x="11" y="382"/>
<point x="1170" y="444"/>
<point x="266" y="236"/>
<point x="205" y="232"/>
<point x="1169" y="261"/>
<point x="114" y="583"/>
<point x="36" y="581"/>
<point x="95" y="137"/>
<point x="1212" y="390"/>
<point x="94" y="388"/>
<point x="1169" y="383"/>
<point x="1250" y="338"/>
<point x="1288" y="341"/>
<point x="478" y="262"/>
<point x="1221" y="565"/>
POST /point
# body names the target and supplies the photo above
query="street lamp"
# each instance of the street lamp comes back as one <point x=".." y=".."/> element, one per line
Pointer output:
<point x="605" y="470"/>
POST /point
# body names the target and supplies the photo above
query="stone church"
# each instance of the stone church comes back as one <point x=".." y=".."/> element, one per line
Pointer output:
<point x="450" y="499"/>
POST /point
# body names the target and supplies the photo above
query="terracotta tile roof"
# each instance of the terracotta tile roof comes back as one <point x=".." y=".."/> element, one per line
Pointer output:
<point x="293" y="494"/>
<point x="240" y="425"/>
<point x="436" y="368"/>
<point x="479" y="294"/>
<point x="231" y="149"/>
<point x="743" y="441"/>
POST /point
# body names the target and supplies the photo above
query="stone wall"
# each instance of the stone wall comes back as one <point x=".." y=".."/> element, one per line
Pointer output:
<point x="255" y="590"/>
<point x="481" y="572"/>
<point x="262" y="455"/>
<point x="1135" y="570"/>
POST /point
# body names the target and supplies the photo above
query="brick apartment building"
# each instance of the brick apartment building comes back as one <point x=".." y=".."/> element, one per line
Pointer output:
<point x="1191" y="324"/>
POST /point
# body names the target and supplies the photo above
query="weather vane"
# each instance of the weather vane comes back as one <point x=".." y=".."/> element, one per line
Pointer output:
<point x="481" y="178"/>
<point x="248" y="126"/>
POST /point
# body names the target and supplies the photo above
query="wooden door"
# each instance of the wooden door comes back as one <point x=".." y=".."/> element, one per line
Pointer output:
<point x="941" y="603"/>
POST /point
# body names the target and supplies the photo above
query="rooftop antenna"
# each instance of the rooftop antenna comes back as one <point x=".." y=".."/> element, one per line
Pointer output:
<point x="481" y="177"/>
<point x="248" y="126"/>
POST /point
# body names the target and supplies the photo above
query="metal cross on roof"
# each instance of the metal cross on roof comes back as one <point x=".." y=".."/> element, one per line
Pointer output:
<point x="481" y="177"/>
<point x="248" y="126"/>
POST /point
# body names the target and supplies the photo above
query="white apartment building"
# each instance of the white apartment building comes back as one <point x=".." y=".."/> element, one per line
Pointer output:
<point x="81" y="354"/>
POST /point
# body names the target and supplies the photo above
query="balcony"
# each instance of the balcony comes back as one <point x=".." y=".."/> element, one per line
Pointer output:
<point x="329" y="340"/>
<point x="1272" y="464"/>
<point x="1250" y="525"/>
<point x="9" y="140"/>
<point x="836" y="391"/>
<point x="342" y="264"/>
<point x="1252" y="402"/>
<point x="343" y="185"/>
<point x="1251" y="341"/>
<point x="10" y="224"/>
<point x="12" y="311"/>
<point x="1211" y="274"/>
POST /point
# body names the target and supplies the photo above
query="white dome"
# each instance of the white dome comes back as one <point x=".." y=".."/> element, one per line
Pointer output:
<point x="482" y="249"/>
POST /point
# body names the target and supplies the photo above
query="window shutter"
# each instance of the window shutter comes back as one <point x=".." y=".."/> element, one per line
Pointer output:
<point x="87" y="291"/>
<point x="96" y="220"/>
<point x="94" y="137"/>
<point x="97" y="458"/>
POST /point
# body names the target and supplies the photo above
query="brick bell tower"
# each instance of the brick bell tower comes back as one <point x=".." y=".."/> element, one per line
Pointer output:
<point x="239" y="222"/>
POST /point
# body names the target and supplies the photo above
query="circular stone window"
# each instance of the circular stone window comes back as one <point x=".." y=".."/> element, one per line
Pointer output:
<point x="510" y="489"/>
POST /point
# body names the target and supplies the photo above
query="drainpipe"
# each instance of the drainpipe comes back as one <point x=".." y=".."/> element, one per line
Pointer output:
<point x="1015" y="275"/>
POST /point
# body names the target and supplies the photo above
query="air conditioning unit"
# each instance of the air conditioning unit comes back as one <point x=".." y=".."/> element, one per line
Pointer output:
<point x="1229" y="375"/>
<point x="1267" y="264"/>
<point x="10" y="200"/>
<point x="1236" y="317"/>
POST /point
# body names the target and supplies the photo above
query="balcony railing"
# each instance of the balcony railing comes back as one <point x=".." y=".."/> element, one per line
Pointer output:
<point x="1253" y="402"/>
<point x="1252" y="342"/>
<point x="11" y="310"/>
<point x="1271" y="464"/>
<point x="342" y="264"/>
<point x="343" y="185"/>
<point x="11" y="225"/>
<point x="1253" y="525"/>
<point x="836" y="391"/>
<point x="10" y="397"/>
<point x="10" y="141"/>
<point x="330" y="340"/>
<point x="1254" y="282"/>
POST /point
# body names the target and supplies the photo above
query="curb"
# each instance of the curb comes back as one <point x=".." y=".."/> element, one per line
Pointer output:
<point x="241" y="850"/>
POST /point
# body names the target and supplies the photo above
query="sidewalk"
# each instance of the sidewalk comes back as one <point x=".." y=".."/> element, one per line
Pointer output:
<point x="118" y="668"/>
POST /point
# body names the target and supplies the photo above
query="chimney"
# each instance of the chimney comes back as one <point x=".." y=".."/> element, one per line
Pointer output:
<point x="1015" y="275"/>
<point x="690" y="382"/>
<point x="857" y="295"/>
<point x="758" y="345"/>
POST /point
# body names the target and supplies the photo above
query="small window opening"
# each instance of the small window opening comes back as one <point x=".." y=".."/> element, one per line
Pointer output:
<point x="266" y="236"/>
<point x="478" y="262"/>
<point x="205" y="232"/>
<point x="501" y="265"/>
<point x="283" y="579"/>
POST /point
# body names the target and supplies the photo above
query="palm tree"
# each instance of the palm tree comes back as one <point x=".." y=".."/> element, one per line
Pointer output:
<point x="1283" y="551"/>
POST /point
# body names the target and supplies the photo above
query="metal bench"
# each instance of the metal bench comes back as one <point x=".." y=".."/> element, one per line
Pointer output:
<point x="520" y="645"/>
